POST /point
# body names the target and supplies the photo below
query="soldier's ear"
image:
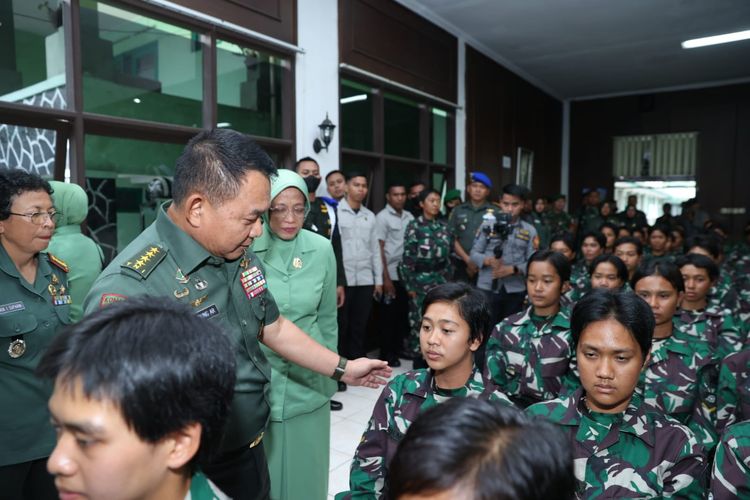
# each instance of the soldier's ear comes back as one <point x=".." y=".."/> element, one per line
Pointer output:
<point x="474" y="344"/>
<point x="195" y="205"/>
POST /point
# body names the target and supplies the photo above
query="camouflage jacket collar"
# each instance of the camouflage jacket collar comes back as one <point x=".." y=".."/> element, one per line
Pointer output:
<point x="425" y="384"/>
<point x="635" y="421"/>
<point x="561" y="321"/>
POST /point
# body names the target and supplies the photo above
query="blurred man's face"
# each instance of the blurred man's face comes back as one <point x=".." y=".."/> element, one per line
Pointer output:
<point x="477" y="192"/>
<point x="356" y="189"/>
<point x="396" y="197"/>
<point x="336" y="184"/>
<point x="560" y="204"/>
<point x="512" y="205"/>
<point x="99" y="457"/>
<point x="415" y="191"/>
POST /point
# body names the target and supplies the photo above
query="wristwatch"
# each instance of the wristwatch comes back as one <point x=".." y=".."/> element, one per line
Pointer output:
<point x="340" y="368"/>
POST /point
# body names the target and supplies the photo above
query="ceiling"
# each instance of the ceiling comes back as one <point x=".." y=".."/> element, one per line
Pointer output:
<point x="579" y="49"/>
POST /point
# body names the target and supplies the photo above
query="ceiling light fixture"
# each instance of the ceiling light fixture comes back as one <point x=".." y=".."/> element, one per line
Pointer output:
<point x="354" y="98"/>
<point x="716" y="39"/>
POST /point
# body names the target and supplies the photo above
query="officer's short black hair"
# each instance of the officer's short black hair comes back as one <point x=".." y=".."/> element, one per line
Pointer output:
<point x="666" y="270"/>
<point x="517" y="190"/>
<point x="351" y="175"/>
<point x="394" y="184"/>
<point x="16" y="182"/>
<point x="162" y="366"/>
<point x="415" y="184"/>
<point x="484" y="450"/>
<point x="306" y="158"/>
<point x="425" y="193"/>
<point x="215" y="162"/>
<point x="701" y="262"/>
<point x="558" y="261"/>
<point x="471" y="306"/>
<point x="334" y="172"/>
<point x="707" y="242"/>
<point x="598" y="236"/>
<point x="566" y="238"/>
<point x="633" y="241"/>
<point x="622" y="270"/>
<point x="625" y="307"/>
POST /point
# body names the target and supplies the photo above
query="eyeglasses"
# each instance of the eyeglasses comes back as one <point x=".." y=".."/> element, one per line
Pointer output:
<point x="281" y="210"/>
<point x="38" y="218"/>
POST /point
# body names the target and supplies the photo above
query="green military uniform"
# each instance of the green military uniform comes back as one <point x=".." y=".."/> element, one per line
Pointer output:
<point x="722" y="331"/>
<point x="425" y="263"/>
<point x="580" y="281"/>
<point x="83" y="256"/>
<point x="730" y="477"/>
<point x="400" y="403"/>
<point x="463" y="225"/>
<point x="680" y="379"/>
<point x="590" y="220"/>
<point x="301" y="274"/>
<point x="31" y="314"/>
<point x="639" y="453"/>
<point x="529" y="357"/>
<point x="164" y="261"/>
<point x="733" y="390"/>
<point x="558" y="222"/>
<point x="539" y="221"/>
<point x="203" y="489"/>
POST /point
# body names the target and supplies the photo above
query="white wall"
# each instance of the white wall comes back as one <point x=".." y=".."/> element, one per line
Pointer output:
<point x="317" y="80"/>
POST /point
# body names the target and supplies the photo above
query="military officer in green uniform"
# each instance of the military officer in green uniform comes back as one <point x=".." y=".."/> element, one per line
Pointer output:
<point x="464" y="223"/>
<point x="196" y="252"/>
<point x="558" y="220"/>
<point x="34" y="305"/>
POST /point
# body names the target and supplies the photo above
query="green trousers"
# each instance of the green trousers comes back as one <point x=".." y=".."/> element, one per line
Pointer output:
<point x="297" y="451"/>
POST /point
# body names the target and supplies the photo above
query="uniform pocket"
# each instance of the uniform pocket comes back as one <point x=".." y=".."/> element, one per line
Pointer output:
<point x="17" y="324"/>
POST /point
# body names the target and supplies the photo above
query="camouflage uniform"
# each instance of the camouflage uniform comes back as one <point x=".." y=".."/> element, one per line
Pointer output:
<point x="721" y="331"/>
<point x="590" y="220"/>
<point x="527" y="362"/>
<point x="559" y="222"/>
<point x="580" y="281"/>
<point x="401" y="401"/>
<point x="723" y="296"/>
<point x="639" y="453"/>
<point x="426" y="263"/>
<point x="733" y="390"/>
<point x="730" y="477"/>
<point x="680" y="379"/>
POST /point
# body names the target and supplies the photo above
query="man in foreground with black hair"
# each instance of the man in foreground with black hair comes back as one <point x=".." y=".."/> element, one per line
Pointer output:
<point x="142" y="392"/>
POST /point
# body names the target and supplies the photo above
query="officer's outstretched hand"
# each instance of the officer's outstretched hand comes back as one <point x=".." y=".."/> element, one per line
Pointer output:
<point x="367" y="372"/>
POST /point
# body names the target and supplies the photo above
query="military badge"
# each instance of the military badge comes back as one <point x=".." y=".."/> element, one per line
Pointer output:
<point x="17" y="348"/>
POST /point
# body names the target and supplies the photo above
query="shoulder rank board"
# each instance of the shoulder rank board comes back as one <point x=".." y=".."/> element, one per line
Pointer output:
<point x="58" y="263"/>
<point x="146" y="260"/>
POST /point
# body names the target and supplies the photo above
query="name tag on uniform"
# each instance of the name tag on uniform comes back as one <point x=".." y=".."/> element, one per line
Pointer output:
<point x="12" y="307"/>
<point x="253" y="282"/>
<point x="208" y="312"/>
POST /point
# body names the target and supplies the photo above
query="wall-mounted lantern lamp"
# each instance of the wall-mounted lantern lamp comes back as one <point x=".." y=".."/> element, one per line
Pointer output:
<point x="326" y="134"/>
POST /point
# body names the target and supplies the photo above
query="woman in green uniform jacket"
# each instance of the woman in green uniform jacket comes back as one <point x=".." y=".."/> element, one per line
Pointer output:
<point x="34" y="304"/>
<point x="301" y="273"/>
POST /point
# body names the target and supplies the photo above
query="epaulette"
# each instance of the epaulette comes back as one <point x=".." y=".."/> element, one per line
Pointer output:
<point x="58" y="263"/>
<point x="146" y="260"/>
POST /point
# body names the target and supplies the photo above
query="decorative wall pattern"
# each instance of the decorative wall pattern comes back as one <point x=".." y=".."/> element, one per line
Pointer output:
<point x="31" y="149"/>
<point x="102" y="217"/>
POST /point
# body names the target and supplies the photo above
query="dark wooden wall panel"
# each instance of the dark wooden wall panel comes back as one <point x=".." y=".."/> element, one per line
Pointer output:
<point x="385" y="38"/>
<point x="505" y="112"/>
<point x="275" y="18"/>
<point x="721" y="116"/>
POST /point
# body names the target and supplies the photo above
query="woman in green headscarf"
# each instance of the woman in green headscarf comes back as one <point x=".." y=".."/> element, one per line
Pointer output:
<point x="301" y="273"/>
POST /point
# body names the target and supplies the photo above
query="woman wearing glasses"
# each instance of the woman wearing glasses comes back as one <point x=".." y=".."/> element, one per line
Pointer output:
<point x="301" y="271"/>
<point x="34" y="304"/>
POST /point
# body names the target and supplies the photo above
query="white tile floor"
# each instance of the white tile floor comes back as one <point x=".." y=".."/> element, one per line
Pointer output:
<point x="347" y="427"/>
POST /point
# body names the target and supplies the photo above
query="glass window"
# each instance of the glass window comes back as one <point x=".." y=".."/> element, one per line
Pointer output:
<point x="356" y="115"/>
<point x="118" y="174"/>
<point x="29" y="149"/>
<point x="401" y="126"/>
<point x="438" y="136"/>
<point x="32" y="58"/>
<point x="138" y="67"/>
<point x="251" y="89"/>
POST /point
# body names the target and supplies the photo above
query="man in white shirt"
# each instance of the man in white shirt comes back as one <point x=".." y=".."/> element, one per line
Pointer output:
<point x="394" y="308"/>
<point x="362" y="265"/>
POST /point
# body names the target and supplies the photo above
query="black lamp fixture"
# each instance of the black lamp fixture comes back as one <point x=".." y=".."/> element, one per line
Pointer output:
<point x="326" y="134"/>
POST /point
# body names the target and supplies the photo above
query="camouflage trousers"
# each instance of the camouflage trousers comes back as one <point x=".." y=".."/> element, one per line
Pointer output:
<point x="425" y="282"/>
